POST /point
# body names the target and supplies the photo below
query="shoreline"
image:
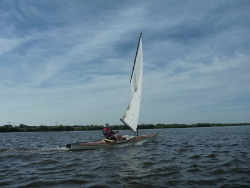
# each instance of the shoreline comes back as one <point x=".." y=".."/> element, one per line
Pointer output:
<point x="44" y="128"/>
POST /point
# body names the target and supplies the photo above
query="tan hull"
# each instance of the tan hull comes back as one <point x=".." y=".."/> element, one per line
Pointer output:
<point x="104" y="144"/>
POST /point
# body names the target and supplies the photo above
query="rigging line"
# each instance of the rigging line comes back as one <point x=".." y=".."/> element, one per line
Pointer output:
<point x="135" y="57"/>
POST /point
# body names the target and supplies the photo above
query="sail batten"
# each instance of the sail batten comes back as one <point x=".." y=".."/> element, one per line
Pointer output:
<point x="131" y="116"/>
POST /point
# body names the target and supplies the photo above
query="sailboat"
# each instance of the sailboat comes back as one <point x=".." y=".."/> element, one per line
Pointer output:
<point x="131" y="115"/>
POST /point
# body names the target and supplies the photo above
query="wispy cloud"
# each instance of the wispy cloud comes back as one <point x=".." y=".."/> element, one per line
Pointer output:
<point x="70" y="61"/>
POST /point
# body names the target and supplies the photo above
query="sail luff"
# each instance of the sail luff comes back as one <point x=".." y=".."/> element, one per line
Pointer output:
<point x="131" y="115"/>
<point x="136" y="56"/>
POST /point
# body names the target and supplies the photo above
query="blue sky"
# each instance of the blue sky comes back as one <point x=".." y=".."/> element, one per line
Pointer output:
<point x="70" y="61"/>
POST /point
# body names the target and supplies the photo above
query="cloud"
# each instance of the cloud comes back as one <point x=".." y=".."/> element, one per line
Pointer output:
<point x="71" y="62"/>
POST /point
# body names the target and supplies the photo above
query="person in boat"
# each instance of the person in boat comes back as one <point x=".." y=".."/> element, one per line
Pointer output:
<point x="109" y="134"/>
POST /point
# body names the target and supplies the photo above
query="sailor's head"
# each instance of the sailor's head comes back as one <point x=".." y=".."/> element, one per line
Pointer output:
<point x="106" y="125"/>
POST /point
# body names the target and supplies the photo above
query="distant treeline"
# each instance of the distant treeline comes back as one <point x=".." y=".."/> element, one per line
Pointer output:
<point x="26" y="128"/>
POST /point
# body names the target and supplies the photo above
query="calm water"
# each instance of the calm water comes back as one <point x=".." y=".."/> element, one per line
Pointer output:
<point x="191" y="157"/>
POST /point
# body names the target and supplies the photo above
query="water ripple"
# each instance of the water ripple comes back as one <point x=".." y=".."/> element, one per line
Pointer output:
<point x="192" y="157"/>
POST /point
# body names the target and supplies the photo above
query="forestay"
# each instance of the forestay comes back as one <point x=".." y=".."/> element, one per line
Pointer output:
<point x="131" y="115"/>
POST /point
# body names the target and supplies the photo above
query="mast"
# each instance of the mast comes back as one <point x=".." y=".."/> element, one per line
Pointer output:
<point x="131" y="115"/>
<point x="135" y="57"/>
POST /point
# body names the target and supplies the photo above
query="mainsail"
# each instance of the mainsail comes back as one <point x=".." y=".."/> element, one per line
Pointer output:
<point x="131" y="115"/>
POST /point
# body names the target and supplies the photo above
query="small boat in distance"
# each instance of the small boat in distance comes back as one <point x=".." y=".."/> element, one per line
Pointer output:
<point x="131" y="115"/>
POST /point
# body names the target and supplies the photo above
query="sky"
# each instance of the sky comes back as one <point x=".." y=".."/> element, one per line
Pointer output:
<point x="69" y="62"/>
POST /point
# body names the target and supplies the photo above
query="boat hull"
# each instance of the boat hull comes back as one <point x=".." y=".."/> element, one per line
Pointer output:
<point x="104" y="144"/>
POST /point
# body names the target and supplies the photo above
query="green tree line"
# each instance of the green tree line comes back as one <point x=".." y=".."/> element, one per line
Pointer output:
<point x="43" y="128"/>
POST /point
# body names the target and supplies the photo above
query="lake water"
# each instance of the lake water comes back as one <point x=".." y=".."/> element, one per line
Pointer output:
<point x="181" y="157"/>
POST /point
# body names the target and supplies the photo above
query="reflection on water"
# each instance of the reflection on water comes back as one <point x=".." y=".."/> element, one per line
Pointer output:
<point x="191" y="157"/>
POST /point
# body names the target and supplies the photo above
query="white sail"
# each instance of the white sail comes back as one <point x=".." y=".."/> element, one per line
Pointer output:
<point x="131" y="115"/>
